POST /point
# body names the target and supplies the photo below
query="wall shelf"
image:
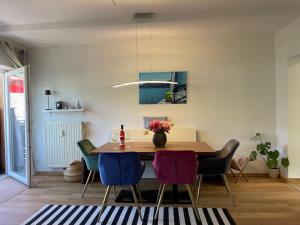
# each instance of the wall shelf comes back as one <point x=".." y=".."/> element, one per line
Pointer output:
<point x="63" y="110"/>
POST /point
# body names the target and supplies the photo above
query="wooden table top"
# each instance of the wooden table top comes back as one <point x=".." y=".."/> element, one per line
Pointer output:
<point x="148" y="147"/>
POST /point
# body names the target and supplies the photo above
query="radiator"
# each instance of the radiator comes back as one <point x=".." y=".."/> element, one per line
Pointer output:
<point x="61" y="143"/>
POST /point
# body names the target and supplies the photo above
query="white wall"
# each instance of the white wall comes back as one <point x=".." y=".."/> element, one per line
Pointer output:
<point x="287" y="47"/>
<point x="3" y="59"/>
<point x="293" y="114"/>
<point x="231" y="86"/>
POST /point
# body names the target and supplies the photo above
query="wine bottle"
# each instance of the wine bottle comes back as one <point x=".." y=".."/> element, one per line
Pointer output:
<point x="122" y="137"/>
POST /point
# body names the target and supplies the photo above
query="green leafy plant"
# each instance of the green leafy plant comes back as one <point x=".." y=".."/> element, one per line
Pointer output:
<point x="271" y="157"/>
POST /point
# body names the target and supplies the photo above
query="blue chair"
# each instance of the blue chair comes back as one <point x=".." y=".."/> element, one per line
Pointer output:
<point x="120" y="169"/>
<point x="91" y="161"/>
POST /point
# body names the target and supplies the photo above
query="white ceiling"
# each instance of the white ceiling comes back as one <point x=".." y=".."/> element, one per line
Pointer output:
<point x="40" y="23"/>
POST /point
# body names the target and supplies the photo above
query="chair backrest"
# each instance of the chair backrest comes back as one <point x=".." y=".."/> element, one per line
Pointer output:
<point x="85" y="147"/>
<point x="120" y="168"/>
<point x="175" y="167"/>
<point x="228" y="151"/>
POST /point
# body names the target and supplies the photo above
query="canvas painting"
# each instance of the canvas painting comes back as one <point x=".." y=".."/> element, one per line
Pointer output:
<point x="162" y="93"/>
<point x="147" y="120"/>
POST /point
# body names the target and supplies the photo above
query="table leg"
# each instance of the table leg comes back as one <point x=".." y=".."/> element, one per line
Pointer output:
<point x="175" y="193"/>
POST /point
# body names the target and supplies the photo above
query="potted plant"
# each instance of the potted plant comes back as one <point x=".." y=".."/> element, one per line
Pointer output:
<point x="160" y="127"/>
<point x="271" y="157"/>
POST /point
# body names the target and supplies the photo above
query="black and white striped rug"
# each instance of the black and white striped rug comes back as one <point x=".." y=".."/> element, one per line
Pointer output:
<point x="113" y="215"/>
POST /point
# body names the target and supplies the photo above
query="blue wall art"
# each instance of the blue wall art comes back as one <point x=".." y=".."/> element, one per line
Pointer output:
<point x="161" y="93"/>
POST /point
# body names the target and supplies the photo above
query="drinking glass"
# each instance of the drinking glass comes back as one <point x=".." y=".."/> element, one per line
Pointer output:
<point x="127" y="139"/>
<point x="114" y="139"/>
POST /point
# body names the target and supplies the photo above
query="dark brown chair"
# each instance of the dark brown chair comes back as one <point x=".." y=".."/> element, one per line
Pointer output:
<point x="218" y="165"/>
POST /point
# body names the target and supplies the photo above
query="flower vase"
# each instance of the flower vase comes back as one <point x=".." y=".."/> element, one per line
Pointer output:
<point x="159" y="139"/>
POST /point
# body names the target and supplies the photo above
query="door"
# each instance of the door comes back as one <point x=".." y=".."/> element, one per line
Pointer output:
<point x="17" y="125"/>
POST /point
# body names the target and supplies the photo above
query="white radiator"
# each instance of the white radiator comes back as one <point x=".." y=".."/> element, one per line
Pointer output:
<point x="61" y="143"/>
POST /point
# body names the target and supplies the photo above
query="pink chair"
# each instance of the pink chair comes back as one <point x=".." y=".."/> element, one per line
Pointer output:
<point x="175" y="167"/>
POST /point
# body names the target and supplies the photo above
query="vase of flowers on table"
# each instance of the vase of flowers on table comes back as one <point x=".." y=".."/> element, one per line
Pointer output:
<point x="160" y="128"/>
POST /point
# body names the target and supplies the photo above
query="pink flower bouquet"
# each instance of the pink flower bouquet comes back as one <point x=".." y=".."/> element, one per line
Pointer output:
<point x="160" y="126"/>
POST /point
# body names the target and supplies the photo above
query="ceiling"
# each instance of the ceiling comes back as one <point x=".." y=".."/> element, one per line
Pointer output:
<point x="37" y="23"/>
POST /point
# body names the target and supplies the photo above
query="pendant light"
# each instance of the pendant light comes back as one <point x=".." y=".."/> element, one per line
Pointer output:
<point x="144" y="82"/>
<point x="142" y="17"/>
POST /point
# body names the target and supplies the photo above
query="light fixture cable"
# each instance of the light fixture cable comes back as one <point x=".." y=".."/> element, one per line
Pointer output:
<point x="150" y="40"/>
<point x="125" y="18"/>
<point x="136" y="49"/>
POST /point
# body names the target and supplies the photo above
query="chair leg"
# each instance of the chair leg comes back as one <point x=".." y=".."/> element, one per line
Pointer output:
<point x="199" y="187"/>
<point x="115" y="192"/>
<point x="193" y="201"/>
<point x="160" y="200"/>
<point x="197" y="180"/>
<point x="104" y="202"/>
<point x="158" y="194"/>
<point x="228" y="188"/>
<point x="244" y="175"/>
<point x="238" y="177"/>
<point x="86" y="184"/>
<point x="93" y="177"/>
<point x="231" y="171"/>
<point x="242" y="171"/>
<point x="138" y="190"/>
<point x="136" y="201"/>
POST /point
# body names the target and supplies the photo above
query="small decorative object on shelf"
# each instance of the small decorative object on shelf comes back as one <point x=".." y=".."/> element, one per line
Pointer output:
<point x="48" y="93"/>
<point x="160" y="128"/>
<point x="59" y="104"/>
<point x="78" y="105"/>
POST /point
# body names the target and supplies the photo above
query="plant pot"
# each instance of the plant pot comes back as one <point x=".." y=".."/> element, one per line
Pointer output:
<point x="159" y="139"/>
<point x="273" y="173"/>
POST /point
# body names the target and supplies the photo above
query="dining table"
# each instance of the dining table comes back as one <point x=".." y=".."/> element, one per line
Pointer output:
<point x="148" y="149"/>
<point x="200" y="148"/>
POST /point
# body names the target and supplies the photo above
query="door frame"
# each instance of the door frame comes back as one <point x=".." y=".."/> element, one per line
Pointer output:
<point x="27" y="179"/>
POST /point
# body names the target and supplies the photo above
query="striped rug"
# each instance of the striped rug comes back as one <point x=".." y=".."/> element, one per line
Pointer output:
<point x="113" y="215"/>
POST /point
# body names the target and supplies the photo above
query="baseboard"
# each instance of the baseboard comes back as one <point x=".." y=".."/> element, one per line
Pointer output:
<point x="284" y="179"/>
<point x="292" y="179"/>
<point x="60" y="173"/>
<point x="48" y="173"/>
<point x="256" y="174"/>
<point x="253" y="174"/>
<point x="289" y="180"/>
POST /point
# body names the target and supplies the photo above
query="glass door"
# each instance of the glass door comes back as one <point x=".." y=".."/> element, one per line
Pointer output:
<point x="17" y="125"/>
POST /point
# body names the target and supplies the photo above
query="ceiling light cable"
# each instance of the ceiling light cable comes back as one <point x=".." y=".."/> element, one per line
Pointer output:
<point x="150" y="40"/>
<point x="136" y="49"/>
<point x="125" y="18"/>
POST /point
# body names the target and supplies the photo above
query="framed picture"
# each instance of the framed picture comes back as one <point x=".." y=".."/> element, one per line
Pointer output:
<point x="162" y="93"/>
<point x="147" y="120"/>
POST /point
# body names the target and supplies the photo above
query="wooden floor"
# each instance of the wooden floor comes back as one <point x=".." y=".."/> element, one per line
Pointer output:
<point x="261" y="201"/>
